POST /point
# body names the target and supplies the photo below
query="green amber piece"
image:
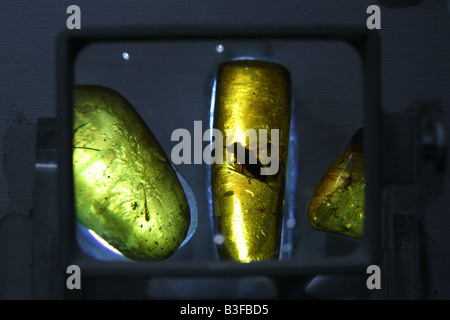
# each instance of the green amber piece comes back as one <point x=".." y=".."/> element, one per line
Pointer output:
<point x="337" y="204"/>
<point x="126" y="190"/>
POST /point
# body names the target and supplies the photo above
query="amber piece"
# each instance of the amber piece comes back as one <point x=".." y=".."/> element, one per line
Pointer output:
<point x="126" y="191"/>
<point x="337" y="204"/>
<point x="248" y="205"/>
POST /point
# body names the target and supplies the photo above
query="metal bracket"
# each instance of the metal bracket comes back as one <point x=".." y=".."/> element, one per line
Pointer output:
<point x="413" y="143"/>
<point x="47" y="280"/>
<point x="413" y="153"/>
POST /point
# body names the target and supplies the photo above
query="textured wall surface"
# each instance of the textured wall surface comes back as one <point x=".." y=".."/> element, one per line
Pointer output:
<point x="415" y="65"/>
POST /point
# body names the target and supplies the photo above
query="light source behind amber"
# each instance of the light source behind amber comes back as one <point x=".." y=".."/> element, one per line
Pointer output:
<point x="337" y="204"/>
<point x="126" y="191"/>
<point x="248" y="206"/>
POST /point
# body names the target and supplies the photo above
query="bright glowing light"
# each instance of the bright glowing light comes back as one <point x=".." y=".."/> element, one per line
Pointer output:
<point x="95" y="172"/>
<point x="239" y="232"/>
<point x="103" y="242"/>
<point x="220" y="48"/>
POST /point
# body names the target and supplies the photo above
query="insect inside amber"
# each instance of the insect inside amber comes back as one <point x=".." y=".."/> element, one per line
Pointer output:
<point x="337" y="204"/>
<point x="125" y="188"/>
<point x="247" y="203"/>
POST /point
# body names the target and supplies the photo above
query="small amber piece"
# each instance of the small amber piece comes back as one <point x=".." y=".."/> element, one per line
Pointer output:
<point x="248" y="205"/>
<point x="337" y="204"/>
<point x="126" y="190"/>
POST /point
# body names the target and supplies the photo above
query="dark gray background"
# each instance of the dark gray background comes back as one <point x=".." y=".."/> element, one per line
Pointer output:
<point x="415" y="65"/>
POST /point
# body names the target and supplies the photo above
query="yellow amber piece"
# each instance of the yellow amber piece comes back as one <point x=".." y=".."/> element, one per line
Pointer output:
<point x="126" y="190"/>
<point x="247" y="205"/>
<point x="337" y="204"/>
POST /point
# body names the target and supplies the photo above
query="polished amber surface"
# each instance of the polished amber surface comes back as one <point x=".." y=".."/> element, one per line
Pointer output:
<point x="337" y="204"/>
<point x="125" y="188"/>
<point x="248" y="206"/>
